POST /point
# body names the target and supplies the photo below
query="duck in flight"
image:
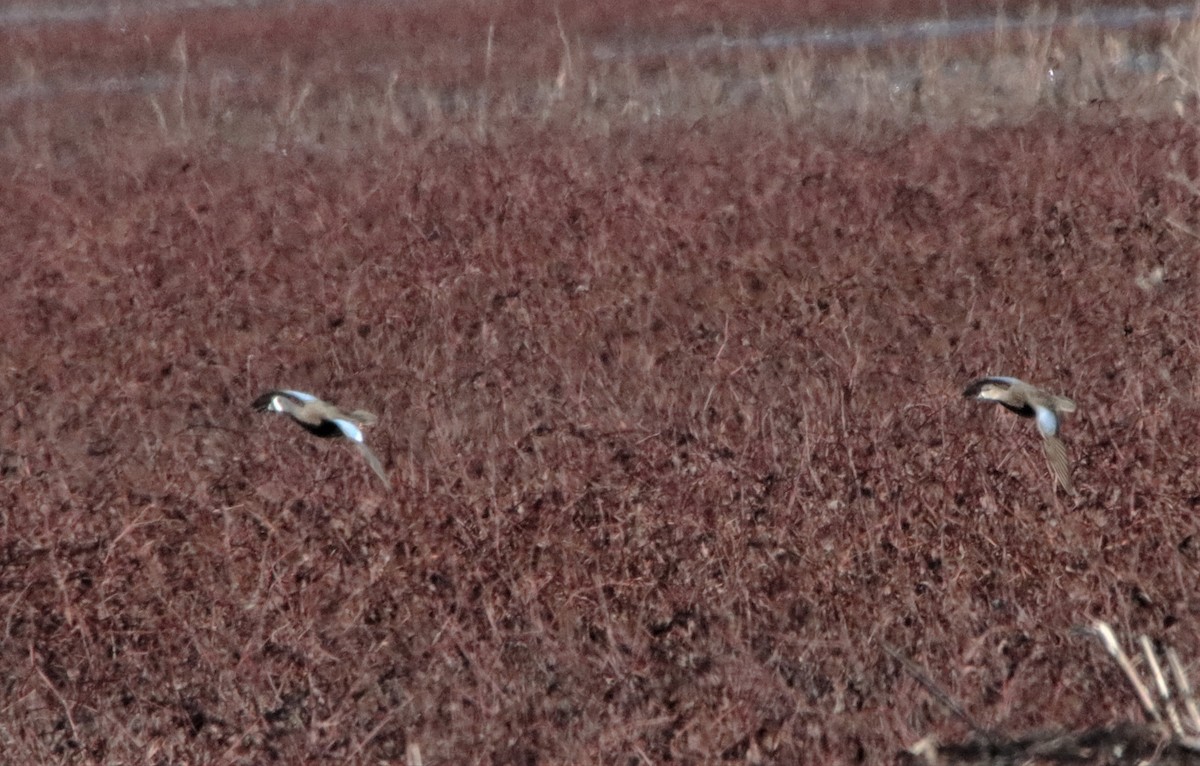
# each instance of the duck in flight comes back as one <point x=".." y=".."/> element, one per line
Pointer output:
<point x="1031" y="402"/>
<point x="320" y="418"/>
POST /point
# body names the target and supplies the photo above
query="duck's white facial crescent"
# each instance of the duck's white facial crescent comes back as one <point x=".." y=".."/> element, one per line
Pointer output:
<point x="992" y="391"/>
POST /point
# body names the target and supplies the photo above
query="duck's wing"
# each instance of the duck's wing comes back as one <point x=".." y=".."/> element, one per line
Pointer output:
<point x="1056" y="454"/>
<point x="352" y="432"/>
<point x="1056" y="451"/>
<point x="373" y="461"/>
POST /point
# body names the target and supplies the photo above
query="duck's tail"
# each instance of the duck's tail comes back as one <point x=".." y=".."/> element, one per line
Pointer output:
<point x="1063" y="404"/>
<point x="364" y="418"/>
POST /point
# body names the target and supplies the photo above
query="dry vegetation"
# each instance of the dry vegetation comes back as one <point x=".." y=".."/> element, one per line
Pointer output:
<point x="669" y="389"/>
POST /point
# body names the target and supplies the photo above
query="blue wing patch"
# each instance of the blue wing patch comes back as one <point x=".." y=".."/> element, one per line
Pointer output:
<point x="349" y="430"/>
<point x="1047" y="421"/>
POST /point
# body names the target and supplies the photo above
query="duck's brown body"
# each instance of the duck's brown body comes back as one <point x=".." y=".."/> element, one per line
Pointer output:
<point x="1031" y="402"/>
<point x="320" y="418"/>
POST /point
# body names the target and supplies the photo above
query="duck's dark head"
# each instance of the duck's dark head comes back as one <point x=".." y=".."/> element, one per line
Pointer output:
<point x="976" y="389"/>
<point x="266" y="402"/>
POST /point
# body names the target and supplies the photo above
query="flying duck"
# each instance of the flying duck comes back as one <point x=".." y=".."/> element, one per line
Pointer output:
<point x="320" y="418"/>
<point x="1031" y="402"/>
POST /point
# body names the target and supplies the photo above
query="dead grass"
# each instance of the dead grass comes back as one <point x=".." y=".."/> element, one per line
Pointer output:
<point x="1165" y="694"/>
<point x="672" y="411"/>
<point x="374" y="74"/>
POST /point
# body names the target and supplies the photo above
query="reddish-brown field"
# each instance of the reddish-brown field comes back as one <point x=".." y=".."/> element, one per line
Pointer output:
<point x="672" y="411"/>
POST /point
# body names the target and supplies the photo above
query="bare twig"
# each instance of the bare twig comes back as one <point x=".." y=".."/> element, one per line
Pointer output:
<point x="1160" y="683"/>
<point x="1182" y="227"/>
<point x="936" y="691"/>
<point x="36" y="661"/>
<point x="1185" y="182"/>
<point x="1109" y="639"/>
<point x="1185" y="688"/>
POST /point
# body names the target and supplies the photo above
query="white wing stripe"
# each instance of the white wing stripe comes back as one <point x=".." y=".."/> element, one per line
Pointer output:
<point x="300" y="395"/>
